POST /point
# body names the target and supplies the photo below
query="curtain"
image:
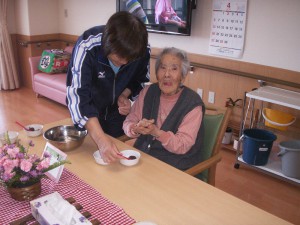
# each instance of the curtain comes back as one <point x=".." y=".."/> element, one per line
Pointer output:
<point x="8" y="71"/>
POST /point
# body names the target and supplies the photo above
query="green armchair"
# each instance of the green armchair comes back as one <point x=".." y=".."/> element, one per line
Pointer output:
<point x="215" y="123"/>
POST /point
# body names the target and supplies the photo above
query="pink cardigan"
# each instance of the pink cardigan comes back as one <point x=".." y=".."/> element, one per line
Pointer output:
<point x="178" y="143"/>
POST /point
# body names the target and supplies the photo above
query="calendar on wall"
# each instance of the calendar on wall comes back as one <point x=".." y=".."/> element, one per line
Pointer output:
<point x="228" y="28"/>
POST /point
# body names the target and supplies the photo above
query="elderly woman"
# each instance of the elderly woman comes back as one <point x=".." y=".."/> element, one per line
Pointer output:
<point x="166" y="119"/>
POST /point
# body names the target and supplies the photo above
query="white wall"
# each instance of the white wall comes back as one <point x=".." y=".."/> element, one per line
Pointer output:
<point x="34" y="17"/>
<point x="272" y="29"/>
<point x="272" y="33"/>
<point x="83" y="14"/>
<point x="22" y="17"/>
<point x="43" y="17"/>
<point x="11" y="22"/>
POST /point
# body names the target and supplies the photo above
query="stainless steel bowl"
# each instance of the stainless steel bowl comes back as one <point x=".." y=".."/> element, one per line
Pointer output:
<point x="65" y="137"/>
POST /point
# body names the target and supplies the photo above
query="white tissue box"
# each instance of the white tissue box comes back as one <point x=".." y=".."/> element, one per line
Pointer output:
<point x="44" y="214"/>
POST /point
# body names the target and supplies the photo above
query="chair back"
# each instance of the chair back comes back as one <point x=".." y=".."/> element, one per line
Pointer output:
<point x="215" y="122"/>
<point x="212" y="124"/>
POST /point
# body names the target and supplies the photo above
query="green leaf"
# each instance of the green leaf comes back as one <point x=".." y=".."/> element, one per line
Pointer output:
<point x="56" y="164"/>
<point x="6" y="137"/>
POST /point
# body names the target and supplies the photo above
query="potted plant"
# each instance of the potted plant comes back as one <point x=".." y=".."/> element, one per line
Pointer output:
<point x="21" y="172"/>
<point x="227" y="136"/>
<point x="232" y="103"/>
<point x="228" y="133"/>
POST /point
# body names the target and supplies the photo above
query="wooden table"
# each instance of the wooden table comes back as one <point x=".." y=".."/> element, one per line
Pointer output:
<point x="154" y="191"/>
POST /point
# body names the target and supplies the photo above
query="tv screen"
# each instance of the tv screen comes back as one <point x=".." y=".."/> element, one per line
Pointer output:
<point x="162" y="16"/>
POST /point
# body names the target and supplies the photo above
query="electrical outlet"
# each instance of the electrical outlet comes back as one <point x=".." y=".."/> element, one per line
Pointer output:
<point x="211" y="97"/>
<point x="66" y="13"/>
<point x="200" y="92"/>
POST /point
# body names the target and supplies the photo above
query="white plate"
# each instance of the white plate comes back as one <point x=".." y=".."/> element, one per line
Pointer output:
<point x="98" y="158"/>
<point x="144" y="223"/>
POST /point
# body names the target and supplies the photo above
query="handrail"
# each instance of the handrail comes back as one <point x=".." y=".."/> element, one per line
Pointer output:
<point x="249" y="75"/>
<point x="242" y="74"/>
<point x="199" y="65"/>
<point x="39" y="43"/>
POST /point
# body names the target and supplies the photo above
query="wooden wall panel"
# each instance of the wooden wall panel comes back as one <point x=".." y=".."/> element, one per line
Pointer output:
<point x="227" y="83"/>
<point x="15" y="52"/>
<point x="152" y="71"/>
<point x="198" y="79"/>
<point x="226" y="77"/>
<point x="23" y="54"/>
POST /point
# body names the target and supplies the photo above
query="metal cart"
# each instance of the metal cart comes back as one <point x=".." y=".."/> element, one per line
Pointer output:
<point x="272" y="95"/>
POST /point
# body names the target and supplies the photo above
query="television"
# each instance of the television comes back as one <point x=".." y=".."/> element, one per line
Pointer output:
<point x="162" y="16"/>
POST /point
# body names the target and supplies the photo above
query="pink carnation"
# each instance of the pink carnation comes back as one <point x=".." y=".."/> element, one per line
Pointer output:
<point x="33" y="158"/>
<point x="1" y="150"/>
<point x="8" y="165"/>
<point x="44" y="164"/>
<point x="12" y="152"/>
<point x="16" y="162"/>
<point x="8" y="176"/>
<point x="25" y="165"/>
<point x="2" y="160"/>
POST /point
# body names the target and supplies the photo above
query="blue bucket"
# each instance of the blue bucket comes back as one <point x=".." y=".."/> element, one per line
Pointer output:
<point x="257" y="145"/>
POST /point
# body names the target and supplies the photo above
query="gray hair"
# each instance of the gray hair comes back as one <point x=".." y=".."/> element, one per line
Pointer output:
<point x="185" y="63"/>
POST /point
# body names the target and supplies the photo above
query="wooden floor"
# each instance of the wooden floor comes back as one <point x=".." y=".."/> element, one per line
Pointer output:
<point x="270" y="194"/>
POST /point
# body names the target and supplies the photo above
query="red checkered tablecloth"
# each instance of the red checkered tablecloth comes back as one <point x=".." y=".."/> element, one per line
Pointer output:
<point x="69" y="186"/>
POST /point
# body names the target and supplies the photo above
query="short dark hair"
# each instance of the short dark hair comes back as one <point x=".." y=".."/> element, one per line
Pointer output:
<point x="125" y="35"/>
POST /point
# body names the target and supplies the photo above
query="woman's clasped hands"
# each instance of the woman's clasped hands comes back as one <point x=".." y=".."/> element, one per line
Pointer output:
<point x="146" y="126"/>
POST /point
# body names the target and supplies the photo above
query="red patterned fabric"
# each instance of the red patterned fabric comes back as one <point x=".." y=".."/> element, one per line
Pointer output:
<point x="69" y="186"/>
